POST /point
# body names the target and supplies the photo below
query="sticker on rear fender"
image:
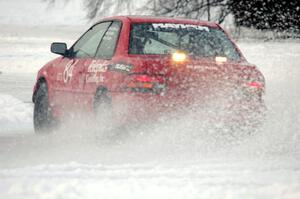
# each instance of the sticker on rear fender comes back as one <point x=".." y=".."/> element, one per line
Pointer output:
<point x="121" y="67"/>
<point x="201" y="68"/>
<point x="93" y="78"/>
<point x="95" y="67"/>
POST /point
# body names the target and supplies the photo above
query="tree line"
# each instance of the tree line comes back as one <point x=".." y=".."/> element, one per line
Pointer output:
<point x="276" y="15"/>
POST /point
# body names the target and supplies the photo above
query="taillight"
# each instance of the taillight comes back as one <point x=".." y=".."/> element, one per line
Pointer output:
<point x="146" y="83"/>
<point x="253" y="79"/>
<point x="255" y="84"/>
<point x="253" y="90"/>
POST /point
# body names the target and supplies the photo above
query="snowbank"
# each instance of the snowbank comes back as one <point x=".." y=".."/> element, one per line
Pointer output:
<point x="15" y="115"/>
<point x="26" y="49"/>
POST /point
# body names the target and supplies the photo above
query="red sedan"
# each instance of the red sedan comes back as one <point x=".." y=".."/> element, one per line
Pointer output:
<point x="135" y="68"/>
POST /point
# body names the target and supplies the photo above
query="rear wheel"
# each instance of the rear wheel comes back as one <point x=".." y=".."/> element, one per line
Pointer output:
<point x="108" y="130"/>
<point x="103" y="109"/>
<point x="42" y="116"/>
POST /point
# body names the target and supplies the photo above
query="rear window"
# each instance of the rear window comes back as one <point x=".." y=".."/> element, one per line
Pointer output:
<point x="166" y="38"/>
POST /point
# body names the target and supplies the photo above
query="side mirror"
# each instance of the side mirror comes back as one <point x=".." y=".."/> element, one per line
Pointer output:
<point x="59" y="48"/>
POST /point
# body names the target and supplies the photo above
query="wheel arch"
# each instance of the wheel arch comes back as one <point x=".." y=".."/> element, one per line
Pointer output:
<point x="37" y="85"/>
<point x="99" y="91"/>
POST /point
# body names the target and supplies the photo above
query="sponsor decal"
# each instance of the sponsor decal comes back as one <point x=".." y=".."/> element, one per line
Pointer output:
<point x="93" y="78"/>
<point x="95" y="67"/>
<point x="201" y="68"/>
<point x="95" y="71"/>
<point x="68" y="72"/>
<point x="121" y="67"/>
<point x="158" y="26"/>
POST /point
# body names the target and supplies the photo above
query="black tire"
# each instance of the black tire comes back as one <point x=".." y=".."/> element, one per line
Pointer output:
<point x="42" y="116"/>
<point x="108" y="129"/>
<point x="102" y="106"/>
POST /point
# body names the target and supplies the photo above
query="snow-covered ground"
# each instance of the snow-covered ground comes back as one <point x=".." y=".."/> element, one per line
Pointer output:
<point x="171" y="161"/>
<point x="166" y="162"/>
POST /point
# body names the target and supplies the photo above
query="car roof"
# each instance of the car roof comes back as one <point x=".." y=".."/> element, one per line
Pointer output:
<point x="153" y="19"/>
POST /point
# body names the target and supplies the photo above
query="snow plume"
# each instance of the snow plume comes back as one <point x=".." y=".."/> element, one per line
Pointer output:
<point x="194" y="133"/>
<point x="171" y="159"/>
<point x="187" y="134"/>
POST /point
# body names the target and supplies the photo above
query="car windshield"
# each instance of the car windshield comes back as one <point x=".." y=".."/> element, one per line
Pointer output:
<point x="166" y="38"/>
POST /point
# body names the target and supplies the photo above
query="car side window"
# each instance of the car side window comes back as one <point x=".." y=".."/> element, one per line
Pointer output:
<point x="108" y="44"/>
<point x="87" y="45"/>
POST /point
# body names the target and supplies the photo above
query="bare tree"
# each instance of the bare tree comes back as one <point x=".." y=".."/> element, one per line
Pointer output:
<point x="100" y="8"/>
<point x="212" y="10"/>
<point x="94" y="7"/>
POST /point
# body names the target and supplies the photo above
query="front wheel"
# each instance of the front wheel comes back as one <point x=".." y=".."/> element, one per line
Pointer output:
<point x="42" y="115"/>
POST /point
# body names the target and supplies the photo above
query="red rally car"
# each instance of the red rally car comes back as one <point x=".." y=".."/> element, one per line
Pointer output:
<point x="134" y="68"/>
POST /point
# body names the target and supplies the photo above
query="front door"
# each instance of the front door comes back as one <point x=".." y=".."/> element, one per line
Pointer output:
<point x="71" y="70"/>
